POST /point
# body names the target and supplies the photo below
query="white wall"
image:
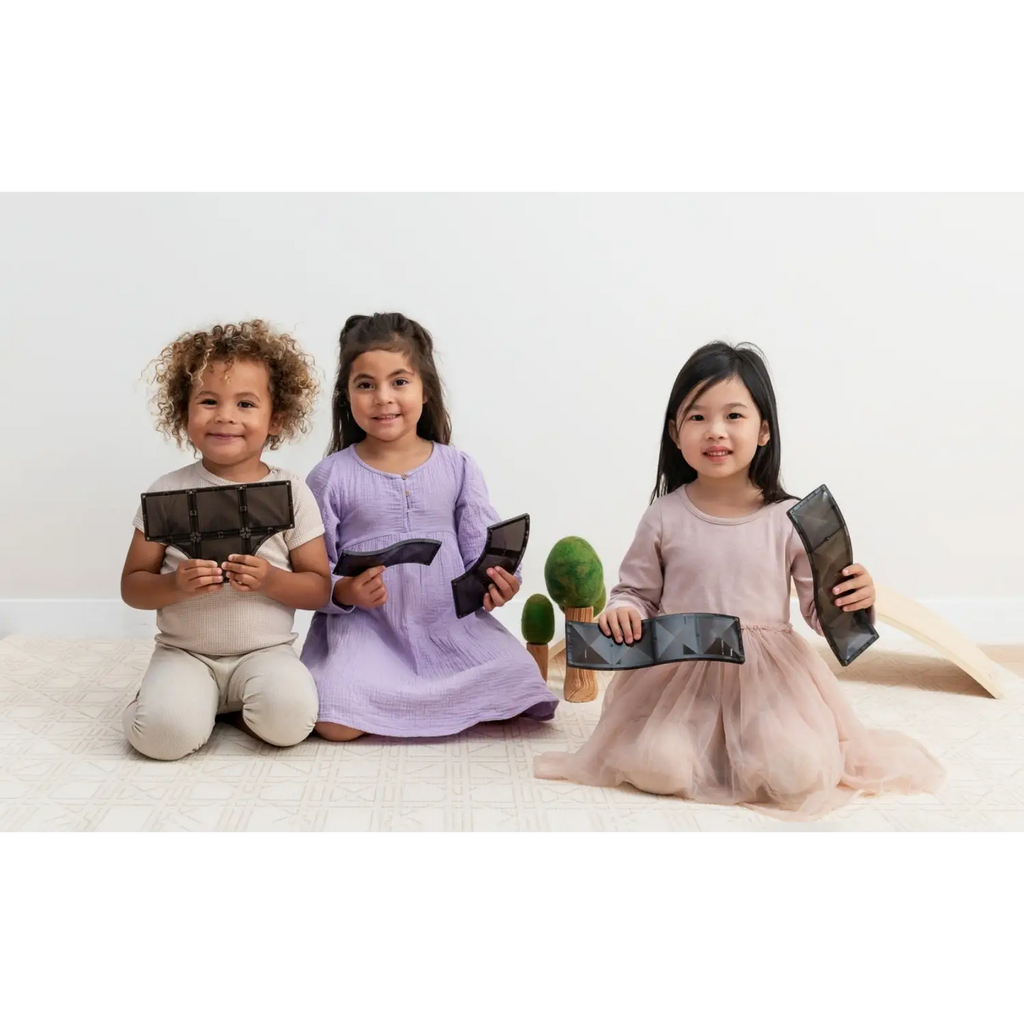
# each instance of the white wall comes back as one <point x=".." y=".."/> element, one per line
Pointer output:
<point x="892" y="325"/>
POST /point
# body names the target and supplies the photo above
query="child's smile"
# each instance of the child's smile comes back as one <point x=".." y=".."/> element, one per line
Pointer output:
<point x="717" y="456"/>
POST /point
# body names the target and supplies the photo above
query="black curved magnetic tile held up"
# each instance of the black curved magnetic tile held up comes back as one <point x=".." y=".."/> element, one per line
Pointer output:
<point x="824" y="535"/>
<point x="504" y="548"/>
<point x="687" y="636"/>
<point x="214" y="522"/>
<point x="418" y="551"/>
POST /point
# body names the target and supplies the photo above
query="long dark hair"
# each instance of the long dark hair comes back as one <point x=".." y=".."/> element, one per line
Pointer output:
<point x="708" y="366"/>
<point x="394" y="333"/>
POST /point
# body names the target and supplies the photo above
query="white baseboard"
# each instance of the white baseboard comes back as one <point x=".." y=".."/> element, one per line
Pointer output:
<point x="993" y="621"/>
<point x="111" y="619"/>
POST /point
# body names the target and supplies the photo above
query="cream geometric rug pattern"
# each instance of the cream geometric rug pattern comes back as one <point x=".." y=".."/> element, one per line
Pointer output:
<point x="65" y="765"/>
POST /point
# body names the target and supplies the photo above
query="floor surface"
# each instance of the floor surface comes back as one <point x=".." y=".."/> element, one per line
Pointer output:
<point x="65" y="765"/>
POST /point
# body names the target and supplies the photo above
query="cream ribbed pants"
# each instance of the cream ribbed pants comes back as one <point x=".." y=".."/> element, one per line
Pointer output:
<point x="182" y="693"/>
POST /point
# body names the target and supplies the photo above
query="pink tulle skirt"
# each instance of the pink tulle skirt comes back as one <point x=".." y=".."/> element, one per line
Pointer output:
<point x="774" y="733"/>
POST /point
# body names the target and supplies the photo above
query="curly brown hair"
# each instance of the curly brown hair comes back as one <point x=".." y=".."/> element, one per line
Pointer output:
<point x="293" y="381"/>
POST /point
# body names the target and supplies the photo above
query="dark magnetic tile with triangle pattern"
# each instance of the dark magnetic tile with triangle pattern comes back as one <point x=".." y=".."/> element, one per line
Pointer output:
<point x="822" y="530"/>
<point x="665" y="639"/>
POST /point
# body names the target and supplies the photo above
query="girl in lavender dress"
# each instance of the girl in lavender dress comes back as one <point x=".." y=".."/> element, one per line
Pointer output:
<point x="775" y="732"/>
<point x="388" y="653"/>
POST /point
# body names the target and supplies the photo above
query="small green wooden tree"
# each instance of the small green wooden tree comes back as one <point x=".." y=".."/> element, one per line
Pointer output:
<point x="575" y="580"/>
<point x="538" y="629"/>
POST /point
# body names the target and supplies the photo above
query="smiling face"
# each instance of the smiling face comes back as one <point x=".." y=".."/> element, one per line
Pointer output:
<point x="719" y="434"/>
<point x="385" y="394"/>
<point x="231" y="414"/>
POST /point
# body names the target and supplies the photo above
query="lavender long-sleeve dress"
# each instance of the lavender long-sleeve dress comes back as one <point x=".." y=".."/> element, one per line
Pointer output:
<point x="411" y="667"/>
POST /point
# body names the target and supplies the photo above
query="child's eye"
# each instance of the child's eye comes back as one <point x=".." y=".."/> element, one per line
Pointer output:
<point x="401" y="380"/>
<point x="363" y="385"/>
<point x="696" y="416"/>
<point x="736" y="415"/>
<point x="247" y="405"/>
<point x="207" y="401"/>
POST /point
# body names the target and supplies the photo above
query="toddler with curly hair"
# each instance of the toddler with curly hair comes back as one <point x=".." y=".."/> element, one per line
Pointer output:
<point x="225" y="641"/>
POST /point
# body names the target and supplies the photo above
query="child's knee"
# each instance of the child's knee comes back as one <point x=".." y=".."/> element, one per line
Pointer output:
<point x="164" y="737"/>
<point x="797" y="772"/>
<point x="284" y="714"/>
<point x="660" y="761"/>
<point x="337" y="733"/>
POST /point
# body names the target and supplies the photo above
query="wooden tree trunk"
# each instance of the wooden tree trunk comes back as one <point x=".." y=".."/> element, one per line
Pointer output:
<point x="539" y="653"/>
<point x="580" y="683"/>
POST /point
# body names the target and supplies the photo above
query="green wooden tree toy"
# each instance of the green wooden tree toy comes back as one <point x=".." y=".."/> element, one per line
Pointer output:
<point x="575" y="580"/>
<point x="539" y="629"/>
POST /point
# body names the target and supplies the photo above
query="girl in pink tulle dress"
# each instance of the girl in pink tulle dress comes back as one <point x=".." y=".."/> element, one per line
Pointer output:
<point x="776" y="732"/>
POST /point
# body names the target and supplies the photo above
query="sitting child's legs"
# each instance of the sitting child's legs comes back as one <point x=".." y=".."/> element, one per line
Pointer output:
<point x="277" y="694"/>
<point x="174" y="712"/>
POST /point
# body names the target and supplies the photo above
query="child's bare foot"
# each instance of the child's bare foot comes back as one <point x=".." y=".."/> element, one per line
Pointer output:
<point x="337" y="733"/>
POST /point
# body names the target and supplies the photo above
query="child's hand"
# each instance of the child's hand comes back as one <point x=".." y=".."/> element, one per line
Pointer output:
<point x="198" y="576"/>
<point x="367" y="590"/>
<point x="247" y="573"/>
<point x="621" y="624"/>
<point x="858" y="590"/>
<point x="502" y="590"/>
